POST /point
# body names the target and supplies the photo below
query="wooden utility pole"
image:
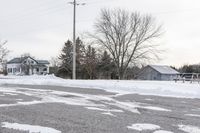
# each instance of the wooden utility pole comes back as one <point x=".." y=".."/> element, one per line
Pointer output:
<point x="74" y="3"/>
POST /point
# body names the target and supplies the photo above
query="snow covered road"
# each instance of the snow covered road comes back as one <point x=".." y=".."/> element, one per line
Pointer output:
<point x="43" y="108"/>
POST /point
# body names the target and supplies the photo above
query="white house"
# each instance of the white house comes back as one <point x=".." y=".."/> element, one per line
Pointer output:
<point x="27" y="66"/>
<point x="158" y="72"/>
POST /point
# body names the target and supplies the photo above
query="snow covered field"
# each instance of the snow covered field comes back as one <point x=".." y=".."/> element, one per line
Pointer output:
<point x="140" y="113"/>
<point x="158" y="88"/>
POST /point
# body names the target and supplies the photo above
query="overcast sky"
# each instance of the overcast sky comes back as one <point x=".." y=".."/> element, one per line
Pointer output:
<point x="41" y="27"/>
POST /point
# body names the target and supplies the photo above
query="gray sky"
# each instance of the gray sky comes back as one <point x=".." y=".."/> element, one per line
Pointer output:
<point x="41" y="27"/>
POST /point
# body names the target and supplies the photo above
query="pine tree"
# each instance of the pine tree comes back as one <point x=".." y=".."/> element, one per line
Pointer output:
<point x="105" y="66"/>
<point x="66" y="58"/>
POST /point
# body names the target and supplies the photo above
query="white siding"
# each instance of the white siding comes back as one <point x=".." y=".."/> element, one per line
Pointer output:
<point x="28" y="66"/>
<point x="13" y="69"/>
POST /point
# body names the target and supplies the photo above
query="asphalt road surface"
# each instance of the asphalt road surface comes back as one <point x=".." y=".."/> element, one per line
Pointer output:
<point x="76" y="110"/>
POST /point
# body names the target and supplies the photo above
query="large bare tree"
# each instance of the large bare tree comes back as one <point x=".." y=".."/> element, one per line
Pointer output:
<point x="3" y="53"/>
<point x="90" y="61"/>
<point x="128" y="37"/>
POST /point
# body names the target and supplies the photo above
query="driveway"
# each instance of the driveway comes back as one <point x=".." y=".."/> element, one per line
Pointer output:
<point x="83" y="110"/>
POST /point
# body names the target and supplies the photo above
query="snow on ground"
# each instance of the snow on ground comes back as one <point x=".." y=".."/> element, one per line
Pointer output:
<point x="189" y="128"/>
<point x="146" y="126"/>
<point x="108" y="113"/>
<point x="85" y="100"/>
<point x="159" y="88"/>
<point x="148" y="99"/>
<point x="106" y="110"/>
<point x="21" y="103"/>
<point x="29" y="128"/>
<point x="100" y="103"/>
<point x="143" y="126"/>
<point x="156" y="108"/>
<point x="192" y="115"/>
<point x="12" y="94"/>
<point x="198" y="109"/>
<point x="19" y="99"/>
<point x="162" y="131"/>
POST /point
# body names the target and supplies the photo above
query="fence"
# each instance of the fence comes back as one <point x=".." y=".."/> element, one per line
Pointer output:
<point x="191" y="77"/>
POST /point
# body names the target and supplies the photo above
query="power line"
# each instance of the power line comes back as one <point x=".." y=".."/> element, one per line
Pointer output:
<point x="29" y="14"/>
<point x="61" y="8"/>
<point x="31" y="18"/>
<point x="44" y="27"/>
<point x="99" y="1"/>
<point x="177" y="11"/>
<point x="42" y="9"/>
<point x="27" y="9"/>
<point x="56" y="11"/>
<point x="25" y="17"/>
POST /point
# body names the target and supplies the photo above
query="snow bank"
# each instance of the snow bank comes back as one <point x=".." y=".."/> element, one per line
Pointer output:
<point x="143" y="126"/>
<point x="29" y="128"/>
<point x="159" y="88"/>
<point x="189" y="129"/>
<point x="162" y="131"/>
<point x="193" y="115"/>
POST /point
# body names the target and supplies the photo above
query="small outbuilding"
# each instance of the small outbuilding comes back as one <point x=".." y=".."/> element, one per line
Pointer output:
<point x="158" y="72"/>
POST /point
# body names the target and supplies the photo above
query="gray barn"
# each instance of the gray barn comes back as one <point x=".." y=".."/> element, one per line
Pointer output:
<point x="156" y="72"/>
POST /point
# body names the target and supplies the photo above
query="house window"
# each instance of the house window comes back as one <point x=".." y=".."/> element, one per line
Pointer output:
<point x="37" y="70"/>
<point x="9" y="70"/>
<point x="45" y="69"/>
<point x="14" y="70"/>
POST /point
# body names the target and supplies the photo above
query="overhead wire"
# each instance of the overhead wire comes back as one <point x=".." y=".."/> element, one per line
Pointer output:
<point x="46" y="11"/>
<point x="42" y="12"/>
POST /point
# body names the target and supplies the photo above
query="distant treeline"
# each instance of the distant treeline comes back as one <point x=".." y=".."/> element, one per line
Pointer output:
<point x="190" y="69"/>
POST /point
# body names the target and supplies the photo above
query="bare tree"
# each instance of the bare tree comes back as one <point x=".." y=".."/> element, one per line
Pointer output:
<point x="90" y="61"/>
<point x="3" y="53"/>
<point x="128" y="37"/>
<point x="55" y="62"/>
<point x="27" y="66"/>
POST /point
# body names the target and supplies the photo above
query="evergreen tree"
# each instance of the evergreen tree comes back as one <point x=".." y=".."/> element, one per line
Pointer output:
<point x="65" y="69"/>
<point x="66" y="58"/>
<point x="105" y="66"/>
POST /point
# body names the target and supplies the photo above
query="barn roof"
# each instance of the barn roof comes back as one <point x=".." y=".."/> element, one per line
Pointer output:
<point x="164" y="69"/>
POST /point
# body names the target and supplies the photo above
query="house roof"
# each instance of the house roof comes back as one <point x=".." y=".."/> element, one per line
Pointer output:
<point x="21" y="59"/>
<point x="16" y="60"/>
<point x="43" y="62"/>
<point x="164" y="69"/>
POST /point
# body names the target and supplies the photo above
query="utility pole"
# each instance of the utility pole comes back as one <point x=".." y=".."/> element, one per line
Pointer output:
<point x="74" y="42"/>
<point x="74" y="3"/>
